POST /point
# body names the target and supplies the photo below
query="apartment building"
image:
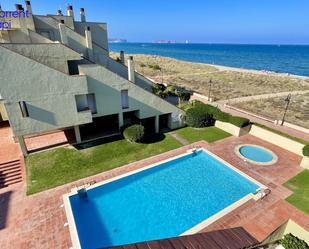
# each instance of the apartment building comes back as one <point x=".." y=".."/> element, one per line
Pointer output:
<point x="56" y="74"/>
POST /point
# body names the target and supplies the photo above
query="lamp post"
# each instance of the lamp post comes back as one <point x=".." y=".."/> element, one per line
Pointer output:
<point x="209" y="89"/>
<point x="288" y="101"/>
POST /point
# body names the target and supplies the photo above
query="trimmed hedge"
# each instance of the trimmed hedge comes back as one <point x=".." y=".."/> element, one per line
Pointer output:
<point x="219" y="115"/>
<point x="216" y="112"/>
<point x="134" y="133"/>
<point x="306" y="150"/>
<point x="198" y="117"/>
<point x="239" y="121"/>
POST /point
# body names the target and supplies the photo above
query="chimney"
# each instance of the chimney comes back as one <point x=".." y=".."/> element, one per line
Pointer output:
<point x="88" y="37"/>
<point x="82" y="15"/>
<point x="18" y="7"/>
<point x="131" y="71"/>
<point x="121" y="57"/>
<point x="28" y="7"/>
<point x="70" y="11"/>
<point x="59" y="13"/>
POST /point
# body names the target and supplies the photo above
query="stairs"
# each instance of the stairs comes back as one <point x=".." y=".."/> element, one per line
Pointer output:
<point x="10" y="173"/>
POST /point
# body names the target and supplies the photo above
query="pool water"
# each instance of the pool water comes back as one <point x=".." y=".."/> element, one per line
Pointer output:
<point x="255" y="153"/>
<point x="160" y="202"/>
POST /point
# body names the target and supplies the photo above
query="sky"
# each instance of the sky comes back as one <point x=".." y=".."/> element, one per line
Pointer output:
<point x="199" y="21"/>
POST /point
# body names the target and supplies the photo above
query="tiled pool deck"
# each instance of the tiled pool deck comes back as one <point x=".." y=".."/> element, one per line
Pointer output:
<point x="38" y="221"/>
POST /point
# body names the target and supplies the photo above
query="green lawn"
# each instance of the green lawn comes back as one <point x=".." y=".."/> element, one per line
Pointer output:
<point x="209" y="134"/>
<point x="300" y="186"/>
<point x="49" y="169"/>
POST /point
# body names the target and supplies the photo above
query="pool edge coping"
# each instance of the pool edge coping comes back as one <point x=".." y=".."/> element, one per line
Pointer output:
<point x="198" y="227"/>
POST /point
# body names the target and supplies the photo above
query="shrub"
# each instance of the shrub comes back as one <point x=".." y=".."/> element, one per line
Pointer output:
<point x="223" y="116"/>
<point x="198" y="117"/>
<point x="306" y="150"/>
<point x="154" y="67"/>
<point x="215" y="111"/>
<point x="185" y="106"/>
<point x="158" y="87"/>
<point x="184" y="95"/>
<point x="239" y="121"/>
<point x="217" y="114"/>
<point x="159" y="90"/>
<point x="142" y="65"/>
<point x="170" y="90"/>
<point x="289" y="241"/>
<point x="134" y="133"/>
<point x="162" y="94"/>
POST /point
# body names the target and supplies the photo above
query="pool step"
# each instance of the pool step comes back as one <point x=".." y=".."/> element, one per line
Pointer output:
<point x="10" y="173"/>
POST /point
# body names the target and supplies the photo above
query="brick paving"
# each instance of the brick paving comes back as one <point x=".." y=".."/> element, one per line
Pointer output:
<point x="9" y="150"/>
<point x="37" y="221"/>
<point x="45" y="141"/>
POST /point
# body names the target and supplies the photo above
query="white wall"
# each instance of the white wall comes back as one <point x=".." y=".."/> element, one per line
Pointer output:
<point x="54" y="55"/>
<point x="49" y="95"/>
<point x="278" y="140"/>
<point x="233" y="129"/>
<point x="107" y="87"/>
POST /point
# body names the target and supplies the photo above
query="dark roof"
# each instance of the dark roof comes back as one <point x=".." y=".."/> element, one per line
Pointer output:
<point x="232" y="238"/>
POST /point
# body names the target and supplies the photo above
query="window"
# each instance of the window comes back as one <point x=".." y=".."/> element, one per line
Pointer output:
<point x="91" y="103"/>
<point x="124" y="99"/>
<point x="86" y="102"/>
<point x="24" y="109"/>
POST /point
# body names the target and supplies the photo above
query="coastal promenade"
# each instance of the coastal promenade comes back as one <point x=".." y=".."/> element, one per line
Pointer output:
<point x="261" y="96"/>
<point x="255" y="119"/>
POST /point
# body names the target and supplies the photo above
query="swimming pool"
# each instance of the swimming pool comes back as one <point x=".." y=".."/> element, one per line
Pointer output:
<point x="178" y="196"/>
<point x="256" y="154"/>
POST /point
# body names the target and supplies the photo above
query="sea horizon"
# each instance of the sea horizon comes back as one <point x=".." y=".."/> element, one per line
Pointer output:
<point x="213" y="43"/>
<point x="280" y="58"/>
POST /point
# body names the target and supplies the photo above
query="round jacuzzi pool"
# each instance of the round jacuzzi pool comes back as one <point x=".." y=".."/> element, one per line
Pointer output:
<point x="256" y="154"/>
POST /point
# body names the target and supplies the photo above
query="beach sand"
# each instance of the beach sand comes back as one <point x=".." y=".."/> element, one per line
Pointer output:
<point x="231" y="83"/>
<point x="227" y="82"/>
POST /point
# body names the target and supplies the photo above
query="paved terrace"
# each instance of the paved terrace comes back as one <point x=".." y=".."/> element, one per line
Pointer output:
<point x="39" y="221"/>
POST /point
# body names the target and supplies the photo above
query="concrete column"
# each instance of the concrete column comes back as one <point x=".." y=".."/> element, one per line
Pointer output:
<point x="120" y="119"/>
<point x="131" y="70"/>
<point x="28" y="7"/>
<point x="157" y="124"/>
<point x="70" y="11"/>
<point x="82" y="15"/>
<point x="88" y="37"/>
<point x="77" y="134"/>
<point x="122" y="57"/>
<point x="23" y="146"/>
<point x="63" y="35"/>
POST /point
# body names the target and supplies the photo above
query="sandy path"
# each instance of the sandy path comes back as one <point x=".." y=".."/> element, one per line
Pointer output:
<point x="261" y="96"/>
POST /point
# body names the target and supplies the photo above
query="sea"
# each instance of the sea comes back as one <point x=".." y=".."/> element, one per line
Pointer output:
<point x="289" y="59"/>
